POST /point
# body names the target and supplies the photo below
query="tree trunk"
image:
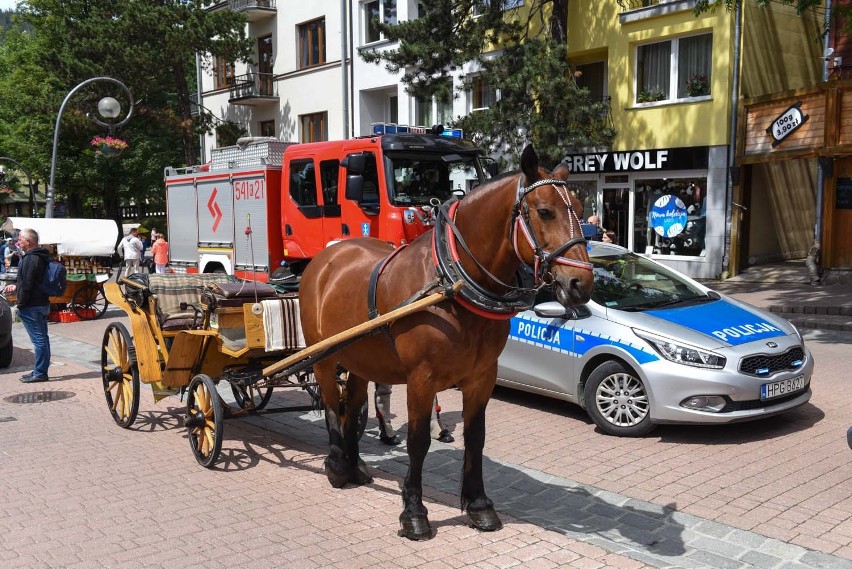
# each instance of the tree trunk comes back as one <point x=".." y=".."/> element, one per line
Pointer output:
<point x="559" y="21"/>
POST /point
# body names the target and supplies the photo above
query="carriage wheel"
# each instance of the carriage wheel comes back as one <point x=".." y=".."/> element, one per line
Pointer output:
<point x="259" y="395"/>
<point x="120" y="374"/>
<point x="89" y="302"/>
<point x="204" y="417"/>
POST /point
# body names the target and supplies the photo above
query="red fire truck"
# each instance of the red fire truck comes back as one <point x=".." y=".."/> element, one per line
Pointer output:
<point x="263" y="204"/>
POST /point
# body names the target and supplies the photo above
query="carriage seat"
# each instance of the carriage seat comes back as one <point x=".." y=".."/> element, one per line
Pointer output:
<point x="170" y="291"/>
<point x="221" y="295"/>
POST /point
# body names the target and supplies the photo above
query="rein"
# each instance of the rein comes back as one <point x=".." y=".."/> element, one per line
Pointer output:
<point x="474" y="296"/>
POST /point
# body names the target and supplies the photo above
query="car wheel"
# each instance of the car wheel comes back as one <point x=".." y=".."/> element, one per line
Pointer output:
<point x="6" y="352"/>
<point x="617" y="401"/>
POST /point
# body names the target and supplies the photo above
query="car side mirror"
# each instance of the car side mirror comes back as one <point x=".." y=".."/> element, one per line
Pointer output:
<point x="551" y="309"/>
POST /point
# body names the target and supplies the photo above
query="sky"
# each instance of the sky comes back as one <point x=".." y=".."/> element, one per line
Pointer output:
<point x="7" y="4"/>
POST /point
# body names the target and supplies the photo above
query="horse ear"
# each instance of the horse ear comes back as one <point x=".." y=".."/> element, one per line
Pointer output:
<point x="529" y="163"/>
<point x="561" y="171"/>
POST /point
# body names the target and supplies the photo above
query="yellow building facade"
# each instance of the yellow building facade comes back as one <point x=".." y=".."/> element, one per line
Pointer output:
<point x="665" y="186"/>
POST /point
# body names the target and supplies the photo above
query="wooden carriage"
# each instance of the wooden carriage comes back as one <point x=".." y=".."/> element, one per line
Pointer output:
<point x="188" y="332"/>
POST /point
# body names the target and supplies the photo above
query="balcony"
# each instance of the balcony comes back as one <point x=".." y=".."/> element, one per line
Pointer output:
<point x="254" y="10"/>
<point x="253" y="89"/>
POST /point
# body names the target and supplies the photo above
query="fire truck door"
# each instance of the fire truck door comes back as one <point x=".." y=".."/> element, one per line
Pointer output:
<point x="301" y="210"/>
<point x="361" y="219"/>
<point x="215" y="213"/>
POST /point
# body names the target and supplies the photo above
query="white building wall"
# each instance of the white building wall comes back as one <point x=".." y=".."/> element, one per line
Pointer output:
<point x="371" y="93"/>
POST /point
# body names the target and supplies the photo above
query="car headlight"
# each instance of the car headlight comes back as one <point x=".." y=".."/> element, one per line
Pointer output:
<point x="682" y="353"/>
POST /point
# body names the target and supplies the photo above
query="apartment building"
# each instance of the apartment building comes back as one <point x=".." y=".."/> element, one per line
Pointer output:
<point x="673" y="80"/>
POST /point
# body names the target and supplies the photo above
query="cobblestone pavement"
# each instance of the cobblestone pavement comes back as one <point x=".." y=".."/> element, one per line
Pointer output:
<point x="81" y="492"/>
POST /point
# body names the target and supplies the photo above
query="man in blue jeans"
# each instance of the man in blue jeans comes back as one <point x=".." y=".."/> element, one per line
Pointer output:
<point x="33" y="302"/>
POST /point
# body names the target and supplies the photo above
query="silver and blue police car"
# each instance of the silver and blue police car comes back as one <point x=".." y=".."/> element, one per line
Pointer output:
<point x="654" y="346"/>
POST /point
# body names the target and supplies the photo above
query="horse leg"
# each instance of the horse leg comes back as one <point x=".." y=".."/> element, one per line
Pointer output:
<point x="479" y="508"/>
<point x="335" y="464"/>
<point x="356" y="396"/>
<point x="414" y="519"/>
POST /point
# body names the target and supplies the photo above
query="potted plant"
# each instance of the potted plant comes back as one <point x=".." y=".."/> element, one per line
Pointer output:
<point x="108" y="146"/>
<point x="650" y="96"/>
<point x="698" y="85"/>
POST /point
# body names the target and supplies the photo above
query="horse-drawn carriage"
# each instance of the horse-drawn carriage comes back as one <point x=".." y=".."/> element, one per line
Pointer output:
<point x="439" y="307"/>
<point x="85" y="247"/>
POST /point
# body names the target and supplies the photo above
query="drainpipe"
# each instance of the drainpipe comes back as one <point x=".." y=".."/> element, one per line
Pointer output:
<point x="813" y="253"/>
<point x="343" y="71"/>
<point x="201" y="136"/>
<point x="732" y="144"/>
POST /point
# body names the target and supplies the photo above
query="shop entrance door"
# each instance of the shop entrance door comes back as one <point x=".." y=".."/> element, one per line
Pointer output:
<point x="616" y="213"/>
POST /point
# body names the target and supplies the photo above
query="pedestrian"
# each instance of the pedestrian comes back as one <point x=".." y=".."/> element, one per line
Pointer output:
<point x="592" y="229"/>
<point x="33" y="302"/>
<point x="4" y="244"/>
<point x="387" y="434"/>
<point x="154" y="234"/>
<point x="160" y="250"/>
<point x="608" y="236"/>
<point x="130" y="247"/>
<point x="10" y="256"/>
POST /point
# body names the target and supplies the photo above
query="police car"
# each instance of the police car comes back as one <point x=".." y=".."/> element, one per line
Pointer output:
<point x="654" y="346"/>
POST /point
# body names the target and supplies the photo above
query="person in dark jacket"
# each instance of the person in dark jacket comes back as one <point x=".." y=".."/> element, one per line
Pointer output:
<point x="33" y="302"/>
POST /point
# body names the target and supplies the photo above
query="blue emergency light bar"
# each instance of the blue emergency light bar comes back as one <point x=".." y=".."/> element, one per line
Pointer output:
<point x="391" y="128"/>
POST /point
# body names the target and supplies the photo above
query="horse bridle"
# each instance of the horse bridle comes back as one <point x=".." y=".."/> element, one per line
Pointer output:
<point x="516" y="298"/>
<point x="520" y="225"/>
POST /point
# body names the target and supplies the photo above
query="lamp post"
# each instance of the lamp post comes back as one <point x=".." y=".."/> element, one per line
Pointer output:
<point x="19" y="166"/>
<point x="109" y="109"/>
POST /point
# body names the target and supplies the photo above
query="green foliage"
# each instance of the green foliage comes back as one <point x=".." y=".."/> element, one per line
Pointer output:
<point x="540" y="99"/>
<point x="149" y="46"/>
<point x="702" y="6"/>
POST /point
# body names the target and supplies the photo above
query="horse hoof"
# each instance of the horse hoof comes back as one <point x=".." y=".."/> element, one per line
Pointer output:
<point x="337" y="478"/>
<point x="361" y="475"/>
<point x="484" y="520"/>
<point x="415" y="528"/>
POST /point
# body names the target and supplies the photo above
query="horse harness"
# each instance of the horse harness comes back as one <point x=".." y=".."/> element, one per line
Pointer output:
<point x="473" y="296"/>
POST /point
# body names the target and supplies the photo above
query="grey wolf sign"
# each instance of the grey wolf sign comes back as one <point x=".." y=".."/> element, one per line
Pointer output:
<point x="657" y="159"/>
<point x="787" y="123"/>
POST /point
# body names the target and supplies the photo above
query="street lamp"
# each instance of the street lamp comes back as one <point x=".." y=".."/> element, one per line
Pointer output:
<point x="108" y="107"/>
<point x="19" y="166"/>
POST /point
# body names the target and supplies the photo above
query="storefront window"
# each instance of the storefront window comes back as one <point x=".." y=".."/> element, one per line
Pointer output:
<point x="670" y="216"/>
<point x="585" y="192"/>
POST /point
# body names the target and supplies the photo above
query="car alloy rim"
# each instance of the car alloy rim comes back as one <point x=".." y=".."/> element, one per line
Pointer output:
<point x="622" y="400"/>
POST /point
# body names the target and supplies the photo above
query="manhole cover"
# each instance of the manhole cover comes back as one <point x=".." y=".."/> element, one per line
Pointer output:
<point x="39" y="397"/>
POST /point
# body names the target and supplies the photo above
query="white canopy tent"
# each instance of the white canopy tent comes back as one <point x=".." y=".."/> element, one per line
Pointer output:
<point x="72" y="237"/>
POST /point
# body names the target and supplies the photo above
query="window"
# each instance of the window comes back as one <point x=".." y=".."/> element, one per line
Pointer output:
<point x="267" y="128"/>
<point x="675" y="69"/>
<point x="314" y="127"/>
<point x="592" y="76"/>
<point x="312" y="43"/>
<point x="372" y="12"/>
<point x="482" y="95"/>
<point x="393" y="109"/>
<point x="507" y="5"/>
<point x="670" y="216"/>
<point x="329" y="171"/>
<point x="425" y="109"/>
<point x="303" y="183"/>
<point x="224" y="73"/>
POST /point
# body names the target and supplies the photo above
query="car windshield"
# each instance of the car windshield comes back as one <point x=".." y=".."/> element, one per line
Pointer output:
<point x="627" y="281"/>
<point x="417" y="178"/>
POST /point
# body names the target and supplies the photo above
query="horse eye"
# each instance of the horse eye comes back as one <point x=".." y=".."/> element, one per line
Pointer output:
<point x="545" y="214"/>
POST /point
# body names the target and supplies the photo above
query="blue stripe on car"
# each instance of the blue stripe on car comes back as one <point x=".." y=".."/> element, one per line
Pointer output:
<point x="721" y="320"/>
<point x="558" y="338"/>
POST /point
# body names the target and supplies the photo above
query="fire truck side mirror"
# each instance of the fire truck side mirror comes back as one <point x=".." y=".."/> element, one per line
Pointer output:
<point x="355" y="187"/>
<point x="355" y="163"/>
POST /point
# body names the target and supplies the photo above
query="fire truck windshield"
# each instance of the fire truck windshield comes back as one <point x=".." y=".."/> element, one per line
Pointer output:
<point x="415" y="179"/>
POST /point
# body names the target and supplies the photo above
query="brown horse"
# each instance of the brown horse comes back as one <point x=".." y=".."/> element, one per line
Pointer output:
<point x="526" y="219"/>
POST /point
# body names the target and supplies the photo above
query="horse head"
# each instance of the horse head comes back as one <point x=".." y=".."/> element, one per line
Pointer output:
<point x="548" y="236"/>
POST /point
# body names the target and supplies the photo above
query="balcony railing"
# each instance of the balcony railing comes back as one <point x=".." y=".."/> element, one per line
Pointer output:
<point x="254" y="9"/>
<point x="253" y="89"/>
<point x="636" y="4"/>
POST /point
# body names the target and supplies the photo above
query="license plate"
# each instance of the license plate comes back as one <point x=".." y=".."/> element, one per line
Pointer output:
<point x="781" y="388"/>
